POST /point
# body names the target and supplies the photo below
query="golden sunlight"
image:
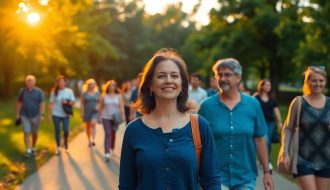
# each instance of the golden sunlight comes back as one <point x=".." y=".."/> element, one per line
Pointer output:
<point x="33" y="18"/>
<point x="153" y="7"/>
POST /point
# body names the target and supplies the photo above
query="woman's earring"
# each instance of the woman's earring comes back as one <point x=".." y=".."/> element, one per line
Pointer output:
<point x="181" y="93"/>
<point x="151" y="94"/>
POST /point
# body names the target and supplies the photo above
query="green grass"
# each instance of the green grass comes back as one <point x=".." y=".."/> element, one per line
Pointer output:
<point x="14" y="167"/>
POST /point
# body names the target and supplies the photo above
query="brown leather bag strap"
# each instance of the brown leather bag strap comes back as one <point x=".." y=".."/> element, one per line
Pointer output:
<point x="196" y="137"/>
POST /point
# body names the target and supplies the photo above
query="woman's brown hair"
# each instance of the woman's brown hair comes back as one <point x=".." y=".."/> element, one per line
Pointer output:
<point x="105" y="87"/>
<point x="261" y="83"/>
<point x="56" y="87"/>
<point x="146" y="100"/>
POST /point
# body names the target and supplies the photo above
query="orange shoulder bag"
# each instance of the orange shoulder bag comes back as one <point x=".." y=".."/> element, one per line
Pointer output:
<point x="196" y="137"/>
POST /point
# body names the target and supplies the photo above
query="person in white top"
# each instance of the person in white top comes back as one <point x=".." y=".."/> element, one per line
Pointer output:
<point x="111" y="102"/>
<point x="196" y="93"/>
<point x="59" y="96"/>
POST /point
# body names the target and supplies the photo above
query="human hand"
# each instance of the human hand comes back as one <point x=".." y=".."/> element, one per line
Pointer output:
<point x="268" y="181"/>
<point x="286" y="160"/>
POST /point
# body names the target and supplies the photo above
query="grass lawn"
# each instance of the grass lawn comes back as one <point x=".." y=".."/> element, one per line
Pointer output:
<point x="14" y="166"/>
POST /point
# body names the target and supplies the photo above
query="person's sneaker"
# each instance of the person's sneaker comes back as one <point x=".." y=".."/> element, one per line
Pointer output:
<point x="58" y="151"/>
<point x="66" y="146"/>
<point x="28" y="153"/>
<point x="93" y="143"/>
<point x="33" y="151"/>
<point x="107" y="157"/>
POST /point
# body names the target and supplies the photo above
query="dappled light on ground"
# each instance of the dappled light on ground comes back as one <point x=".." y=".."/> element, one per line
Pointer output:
<point x="5" y="122"/>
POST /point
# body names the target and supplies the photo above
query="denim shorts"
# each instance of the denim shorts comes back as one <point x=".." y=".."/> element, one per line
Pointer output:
<point x="303" y="170"/>
<point x="249" y="185"/>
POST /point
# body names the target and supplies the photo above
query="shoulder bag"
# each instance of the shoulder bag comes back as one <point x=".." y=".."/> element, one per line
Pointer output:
<point x="196" y="137"/>
<point x="294" y="142"/>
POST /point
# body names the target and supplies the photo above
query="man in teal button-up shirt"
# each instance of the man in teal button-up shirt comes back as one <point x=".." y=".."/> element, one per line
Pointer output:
<point x="238" y="127"/>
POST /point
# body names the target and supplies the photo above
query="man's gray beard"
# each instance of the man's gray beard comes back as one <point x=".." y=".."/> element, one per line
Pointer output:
<point x="225" y="87"/>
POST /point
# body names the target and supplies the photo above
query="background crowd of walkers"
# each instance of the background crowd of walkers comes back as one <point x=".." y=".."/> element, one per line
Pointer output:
<point x="159" y="146"/>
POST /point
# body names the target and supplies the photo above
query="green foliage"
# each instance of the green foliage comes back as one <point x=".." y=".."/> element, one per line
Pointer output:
<point x="314" y="49"/>
<point x="113" y="39"/>
<point x="255" y="32"/>
<point x="61" y="43"/>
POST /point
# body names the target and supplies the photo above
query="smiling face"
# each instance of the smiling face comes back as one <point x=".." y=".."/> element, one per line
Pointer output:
<point x="316" y="83"/>
<point x="166" y="82"/>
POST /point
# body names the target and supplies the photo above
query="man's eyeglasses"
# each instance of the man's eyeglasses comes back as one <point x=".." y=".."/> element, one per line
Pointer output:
<point x="317" y="68"/>
<point x="226" y="75"/>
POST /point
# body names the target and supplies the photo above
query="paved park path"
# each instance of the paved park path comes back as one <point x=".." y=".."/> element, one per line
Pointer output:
<point x="82" y="168"/>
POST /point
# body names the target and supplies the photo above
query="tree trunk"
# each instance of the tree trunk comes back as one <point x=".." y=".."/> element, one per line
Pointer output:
<point x="7" y="73"/>
<point x="276" y="66"/>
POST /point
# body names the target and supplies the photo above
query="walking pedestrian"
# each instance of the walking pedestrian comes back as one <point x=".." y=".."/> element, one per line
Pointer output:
<point x="196" y="93"/>
<point x="89" y="108"/>
<point x="134" y="96"/>
<point x="239" y="130"/>
<point x="111" y="103"/>
<point x="270" y="111"/>
<point x="158" y="148"/>
<point x="61" y="97"/>
<point x="308" y="156"/>
<point x="30" y="109"/>
<point x="213" y="87"/>
<point x="126" y="92"/>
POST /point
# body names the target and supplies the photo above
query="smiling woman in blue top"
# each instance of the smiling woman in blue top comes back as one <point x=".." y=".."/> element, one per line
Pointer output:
<point x="158" y="149"/>
<point x="238" y="127"/>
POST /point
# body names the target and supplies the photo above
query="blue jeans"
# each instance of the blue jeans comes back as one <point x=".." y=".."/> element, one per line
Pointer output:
<point x="271" y="127"/>
<point x="65" y="124"/>
<point x="249" y="185"/>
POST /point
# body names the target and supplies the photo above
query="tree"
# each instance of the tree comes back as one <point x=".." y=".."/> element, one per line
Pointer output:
<point x="60" y="43"/>
<point x="261" y="36"/>
<point x="315" y="46"/>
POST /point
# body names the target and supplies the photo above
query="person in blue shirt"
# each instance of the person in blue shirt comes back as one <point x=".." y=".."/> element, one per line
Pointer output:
<point x="158" y="149"/>
<point x="213" y="87"/>
<point x="134" y="96"/>
<point x="30" y="108"/>
<point x="239" y="130"/>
